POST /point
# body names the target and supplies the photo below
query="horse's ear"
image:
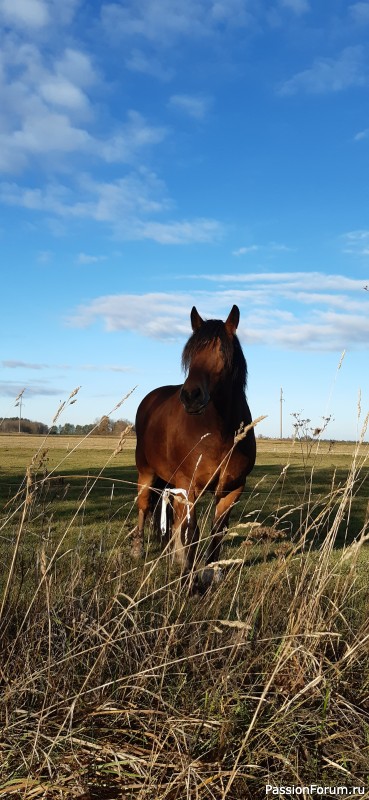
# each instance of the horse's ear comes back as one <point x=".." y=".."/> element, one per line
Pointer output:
<point x="232" y="320"/>
<point x="196" y="320"/>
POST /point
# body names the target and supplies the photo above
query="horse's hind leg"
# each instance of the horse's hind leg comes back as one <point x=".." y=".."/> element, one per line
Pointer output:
<point x="145" y="481"/>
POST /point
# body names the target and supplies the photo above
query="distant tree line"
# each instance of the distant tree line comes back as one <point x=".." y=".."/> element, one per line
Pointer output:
<point x="101" y="427"/>
<point x="11" y="425"/>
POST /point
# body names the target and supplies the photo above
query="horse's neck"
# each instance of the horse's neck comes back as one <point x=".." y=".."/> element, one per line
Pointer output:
<point x="230" y="404"/>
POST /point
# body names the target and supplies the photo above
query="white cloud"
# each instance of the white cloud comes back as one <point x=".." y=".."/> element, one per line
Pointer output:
<point x="356" y="242"/>
<point x="360" y="13"/>
<point x="294" y="310"/>
<point x="357" y="236"/>
<point x="272" y="247"/>
<point x="47" y="132"/>
<point x="48" y="123"/>
<point x="297" y="6"/>
<point x="330" y="74"/>
<point x="47" y="108"/>
<point x="44" y="256"/>
<point x="286" y="280"/>
<point x="76" y="66"/>
<point x="136" y="194"/>
<point x="180" y="231"/>
<point x="29" y="13"/>
<point x="21" y="365"/>
<point x="52" y="199"/>
<point x="129" y="206"/>
<point x="139" y="61"/>
<point x="57" y="91"/>
<point x="163" y="23"/>
<point x="35" y="389"/>
<point x="46" y="120"/>
<point x="243" y="251"/>
<point x="314" y="299"/>
<point x="192" y="105"/>
<point x="84" y="258"/>
<point x="279" y="248"/>
<point x="33" y="16"/>
<point x="364" y="134"/>
<point x="42" y="104"/>
<point x="132" y="137"/>
<point x="125" y="200"/>
<point x="168" y="317"/>
<point x="13" y="364"/>
<point x="100" y="368"/>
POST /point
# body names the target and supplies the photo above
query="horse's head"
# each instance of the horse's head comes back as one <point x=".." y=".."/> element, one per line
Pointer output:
<point x="208" y="358"/>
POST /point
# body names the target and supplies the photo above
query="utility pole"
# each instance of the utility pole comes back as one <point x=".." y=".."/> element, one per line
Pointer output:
<point x="281" y="415"/>
<point x="19" y="402"/>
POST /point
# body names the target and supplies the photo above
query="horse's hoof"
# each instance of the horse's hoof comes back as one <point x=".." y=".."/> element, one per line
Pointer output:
<point x="218" y="576"/>
<point x="211" y="576"/>
<point x="206" y="579"/>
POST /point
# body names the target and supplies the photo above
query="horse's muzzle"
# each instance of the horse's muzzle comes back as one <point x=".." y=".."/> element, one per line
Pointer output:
<point x="194" y="401"/>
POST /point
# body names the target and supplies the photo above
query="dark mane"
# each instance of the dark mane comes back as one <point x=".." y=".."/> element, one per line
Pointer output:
<point x="206" y="336"/>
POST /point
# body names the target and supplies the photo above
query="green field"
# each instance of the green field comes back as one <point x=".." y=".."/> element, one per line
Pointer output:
<point x="117" y="682"/>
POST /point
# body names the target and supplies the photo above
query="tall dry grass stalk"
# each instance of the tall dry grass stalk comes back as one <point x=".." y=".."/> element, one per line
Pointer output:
<point x="118" y="683"/>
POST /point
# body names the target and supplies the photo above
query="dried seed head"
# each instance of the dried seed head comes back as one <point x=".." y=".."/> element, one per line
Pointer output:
<point x="123" y="435"/>
<point x="124" y="398"/>
<point x="59" y="411"/>
<point x="364" y="428"/>
<point x="75" y="391"/>
<point x="244" y="429"/>
<point x="20" y="395"/>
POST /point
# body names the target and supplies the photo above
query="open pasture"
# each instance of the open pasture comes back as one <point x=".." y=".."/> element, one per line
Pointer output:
<point x="116" y="682"/>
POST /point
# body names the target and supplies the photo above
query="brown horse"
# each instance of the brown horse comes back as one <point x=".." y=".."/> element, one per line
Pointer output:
<point x="186" y="437"/>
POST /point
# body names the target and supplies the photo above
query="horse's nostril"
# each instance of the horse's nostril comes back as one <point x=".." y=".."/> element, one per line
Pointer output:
<point x="184" y="396"/>
<point x="191" y="397"/>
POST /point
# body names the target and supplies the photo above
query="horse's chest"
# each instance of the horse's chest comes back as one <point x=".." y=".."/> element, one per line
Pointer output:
<point x="214" y="466"/>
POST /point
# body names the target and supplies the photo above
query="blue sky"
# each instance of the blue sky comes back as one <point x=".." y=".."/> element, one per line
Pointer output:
<point x="156" y="154"/>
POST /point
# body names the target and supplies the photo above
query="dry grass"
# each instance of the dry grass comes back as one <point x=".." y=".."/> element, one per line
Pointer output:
<point x="118" y="683"/>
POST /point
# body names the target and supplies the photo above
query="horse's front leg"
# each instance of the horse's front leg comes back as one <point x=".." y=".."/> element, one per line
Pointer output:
<point x="223" y="508"/>
<point x="145" y="481"/>
<point x="185" y="532"/>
